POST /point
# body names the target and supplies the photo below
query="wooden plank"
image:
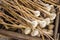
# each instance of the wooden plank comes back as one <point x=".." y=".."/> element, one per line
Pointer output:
<point x="18" y="35"/>
<point x="56" y="26"/>
<point x="3" y="37"/>
<point x="58" y="36"/>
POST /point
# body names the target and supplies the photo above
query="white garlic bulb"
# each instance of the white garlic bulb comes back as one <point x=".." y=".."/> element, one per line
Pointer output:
<point x="42" y="24"/>
<point x="47" y="21"/>
<point x="27" y="30"/>
<point x="49" y="7"/>
<point x="37" y="13"/>
<point x="52" y="16"/>
<point x="35" y="32"/>
<point x="34" y="24"/>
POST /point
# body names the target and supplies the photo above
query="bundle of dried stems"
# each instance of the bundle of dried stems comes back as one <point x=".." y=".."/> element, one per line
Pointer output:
<point x="33" y="17"/>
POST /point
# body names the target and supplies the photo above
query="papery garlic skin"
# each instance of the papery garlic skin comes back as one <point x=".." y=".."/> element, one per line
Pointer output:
<point x="47" y="21"/>
<point x="34" y="24"/>
<point x="42" y="24"/>
<point x="35" y="32"/>
<point x="51" y="7"/>
<point x="37" y="13"/>
<point x="27" y="30"/>
<point x="48" y="7"/>
<point x="52" y="16"/>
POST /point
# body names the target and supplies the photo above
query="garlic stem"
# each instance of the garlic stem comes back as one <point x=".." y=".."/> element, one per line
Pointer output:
<point x="47" y="13"/>
<point x="33" y="23"/>
<point x="51" y="3"/>
<point x="50" y="32"/>
<point x="13" y="26"/>
<point x="47" y="6"/>
<point x="36" y="13"/>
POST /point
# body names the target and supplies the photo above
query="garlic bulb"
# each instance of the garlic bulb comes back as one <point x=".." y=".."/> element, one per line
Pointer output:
<point x="27" y="30"/>
<point x="34" y="24"/>
<point x="49" y="7"/>
<point x="42" y="24"/>
<point x="37" y="13"/>
<point x="52" y="16"/>
<point x="47" y="21"/>
<point x="35" y="32"/>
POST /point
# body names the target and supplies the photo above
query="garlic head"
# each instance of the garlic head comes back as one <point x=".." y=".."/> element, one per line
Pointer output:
<point x="37" y="13"/>
<point x="35" y="32"/>
<point x="27" y="30"/>
<point x="42" y="24"/>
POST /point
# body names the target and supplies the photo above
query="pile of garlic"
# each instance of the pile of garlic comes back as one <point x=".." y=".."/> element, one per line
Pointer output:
<point x="47" y="22"/>
<point x="33" y="17"/>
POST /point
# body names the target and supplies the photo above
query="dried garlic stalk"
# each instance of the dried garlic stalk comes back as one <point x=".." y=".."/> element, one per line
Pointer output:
<point x="34" y="17"/>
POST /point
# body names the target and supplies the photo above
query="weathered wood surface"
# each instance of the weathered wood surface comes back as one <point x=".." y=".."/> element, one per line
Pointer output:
<point x="3" y="37"/>
<point x="56" y="25"/>
<point x="17" y="35"/>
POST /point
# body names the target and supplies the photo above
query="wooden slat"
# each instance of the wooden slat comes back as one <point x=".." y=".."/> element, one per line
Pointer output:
<point x="58" y="36"/>
<point x="56" y="26"/>
<point x="17" y="35"/>
<point x="3" y="37"/>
